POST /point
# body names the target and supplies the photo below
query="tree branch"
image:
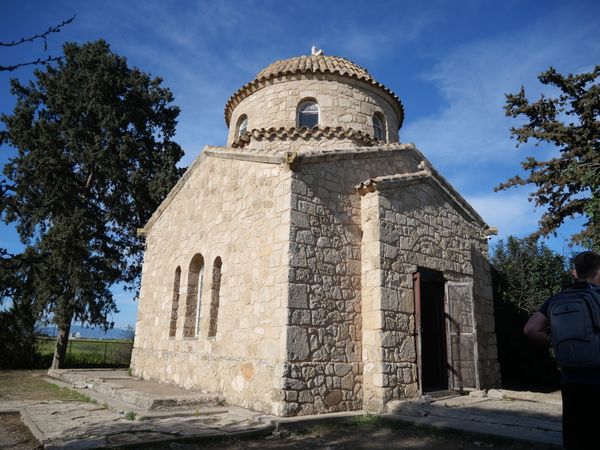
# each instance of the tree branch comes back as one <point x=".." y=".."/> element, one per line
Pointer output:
<point x="31" y="63"/>
<point x="43" y="36"/>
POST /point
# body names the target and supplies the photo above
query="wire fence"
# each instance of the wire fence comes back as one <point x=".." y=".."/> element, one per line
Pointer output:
<point x="89" y="352"/>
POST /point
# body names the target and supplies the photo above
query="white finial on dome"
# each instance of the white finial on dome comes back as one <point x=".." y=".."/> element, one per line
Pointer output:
<point x="314" y="50"/>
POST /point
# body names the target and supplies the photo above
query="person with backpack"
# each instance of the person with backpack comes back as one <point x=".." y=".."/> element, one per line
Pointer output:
<point x="570" y="322"/>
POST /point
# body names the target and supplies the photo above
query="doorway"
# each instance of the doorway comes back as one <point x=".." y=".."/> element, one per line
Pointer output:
<point x="431" y="330"/>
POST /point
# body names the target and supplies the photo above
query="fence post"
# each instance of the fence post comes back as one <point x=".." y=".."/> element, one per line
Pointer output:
<point x="105" y="347"/>
<point x="70" y="346"/>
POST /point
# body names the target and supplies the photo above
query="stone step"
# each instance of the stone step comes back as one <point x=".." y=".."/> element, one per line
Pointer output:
<point x="140" y="394"/>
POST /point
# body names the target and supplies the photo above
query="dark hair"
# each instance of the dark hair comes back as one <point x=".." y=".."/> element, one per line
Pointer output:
<point x="586" y="264"/>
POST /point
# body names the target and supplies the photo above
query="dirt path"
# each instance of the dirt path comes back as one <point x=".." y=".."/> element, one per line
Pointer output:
<point x="14" y="435"/>
<point x="380" y="435"/>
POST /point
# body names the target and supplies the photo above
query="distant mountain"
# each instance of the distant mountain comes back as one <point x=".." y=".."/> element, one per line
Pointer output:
<point x="90" y="333"/>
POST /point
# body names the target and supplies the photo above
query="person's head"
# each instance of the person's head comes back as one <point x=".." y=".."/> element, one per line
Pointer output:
<point x="587" y="266"/>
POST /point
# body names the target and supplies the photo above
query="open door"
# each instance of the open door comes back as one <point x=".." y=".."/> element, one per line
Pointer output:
<point x="462" y="333"/>
<point x="430" y="325"/>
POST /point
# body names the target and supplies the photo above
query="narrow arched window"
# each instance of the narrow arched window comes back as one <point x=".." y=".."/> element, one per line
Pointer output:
<point x="175" y="303"/>
<point x="378" y="127"/>
<point x="199" y="300"/>
<point x="242" y="126"/>
<point x="308" y="114"/>
<point x="214" y="300"/>
<point x="193" y="300"/>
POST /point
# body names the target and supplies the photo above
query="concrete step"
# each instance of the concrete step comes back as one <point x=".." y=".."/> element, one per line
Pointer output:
<point x="139" y="394"/>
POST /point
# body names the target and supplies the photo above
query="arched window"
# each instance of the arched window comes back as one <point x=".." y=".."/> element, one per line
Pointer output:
<point x="378" y="127"/>
<point x="175" y="303"/>
<point x="242" y="126"/>
<point x="308" y="114"/>
<point x="214" y="300"/>
<point x="191" y="326"/>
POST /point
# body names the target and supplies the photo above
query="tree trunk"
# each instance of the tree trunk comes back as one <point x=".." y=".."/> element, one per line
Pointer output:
<point x="60" y="352"/>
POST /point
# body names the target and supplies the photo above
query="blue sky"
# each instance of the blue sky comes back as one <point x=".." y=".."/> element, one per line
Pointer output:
<point x="449" y="62"/>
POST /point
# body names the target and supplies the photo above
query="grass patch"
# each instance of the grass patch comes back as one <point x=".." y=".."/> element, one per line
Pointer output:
<point x="30" y="385"/>
<point x="69" y="394"/>
<point x="365" y="420"/>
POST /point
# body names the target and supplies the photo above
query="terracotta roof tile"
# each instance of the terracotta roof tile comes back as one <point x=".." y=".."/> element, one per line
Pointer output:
<point x="307" y="64"/>
<point x="305" y="133"/>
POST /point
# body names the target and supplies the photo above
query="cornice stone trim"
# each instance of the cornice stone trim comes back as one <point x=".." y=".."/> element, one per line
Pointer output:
<point x="304" y="133"/>
<point x="324" y="155"/>
<point x="425" y="175"/>
<point x="167" y="201"/>
<point x="253" y="155"/>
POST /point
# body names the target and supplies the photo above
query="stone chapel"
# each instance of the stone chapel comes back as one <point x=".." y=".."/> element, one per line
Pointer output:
<point x="315" y="264"/>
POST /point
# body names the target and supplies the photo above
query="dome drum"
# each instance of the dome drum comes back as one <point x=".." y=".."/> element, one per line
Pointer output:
<point x="345" y="94"/>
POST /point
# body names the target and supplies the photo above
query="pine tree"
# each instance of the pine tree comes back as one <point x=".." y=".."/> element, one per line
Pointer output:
<point x="569" y="184"/>
<point x="95" y="157"/>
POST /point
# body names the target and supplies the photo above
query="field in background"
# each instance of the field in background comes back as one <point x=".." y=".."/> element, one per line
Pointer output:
<point x="87" y="352"/>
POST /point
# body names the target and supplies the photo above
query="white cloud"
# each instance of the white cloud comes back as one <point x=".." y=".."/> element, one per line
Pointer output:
<point x="362" y="42"/>
<point x="473" y="79"/>
<point x="510" y="212"/>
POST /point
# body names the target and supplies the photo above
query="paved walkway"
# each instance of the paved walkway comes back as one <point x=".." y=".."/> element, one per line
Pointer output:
<point x="126" y="410"/>
<point x="88" y="425"/>
<point x="525" y="416"/>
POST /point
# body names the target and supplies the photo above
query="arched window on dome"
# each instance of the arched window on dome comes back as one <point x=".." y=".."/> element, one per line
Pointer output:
<point x="308" y="114"/>
<point x="379" y="127"/>
<point x="242" y="126"/>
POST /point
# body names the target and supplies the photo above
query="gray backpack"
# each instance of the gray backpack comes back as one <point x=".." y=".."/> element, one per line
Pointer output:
<point x="574" y="317"/>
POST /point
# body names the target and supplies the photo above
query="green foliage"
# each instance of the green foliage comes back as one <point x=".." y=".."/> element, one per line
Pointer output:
<point x="525" y="273"/>
<point x="17" y="336"/>
<point x="528" y="273"/>
<point x="365" y="420"/>
<point x="130" y="415"/>
<point x="95" y="158"/>
<point x="567" y="185"/>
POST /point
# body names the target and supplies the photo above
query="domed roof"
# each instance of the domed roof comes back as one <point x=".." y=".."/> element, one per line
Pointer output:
<point x="308" y="64"/>
<point x="315" y="63"/>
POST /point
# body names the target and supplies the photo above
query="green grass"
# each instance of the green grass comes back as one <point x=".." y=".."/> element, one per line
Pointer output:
<point x="69" y="395"/>
<point x="30" y="385"/>
<point x="365" y="420"/>
<point x="88" y="352"/>
<point x="130" y="415"/>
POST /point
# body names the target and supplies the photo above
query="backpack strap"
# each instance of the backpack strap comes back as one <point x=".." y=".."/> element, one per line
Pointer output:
<point x="591" y="297"/>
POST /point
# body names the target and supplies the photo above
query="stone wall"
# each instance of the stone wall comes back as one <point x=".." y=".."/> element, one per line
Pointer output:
<point x="342" y="101"/>
<point x="316" y="309"/>
<point x="409" y="224"/>
<point x="324" y="369"/>
<point x="238" y="211"/>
